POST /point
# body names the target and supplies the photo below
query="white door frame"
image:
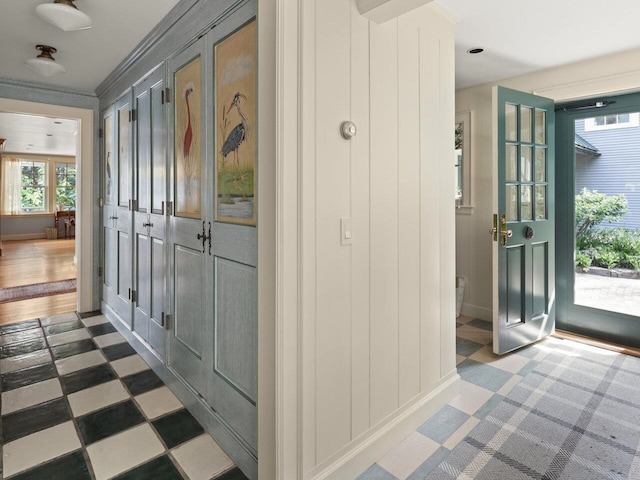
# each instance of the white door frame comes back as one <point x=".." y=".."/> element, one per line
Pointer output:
<point x="84" y="165"/>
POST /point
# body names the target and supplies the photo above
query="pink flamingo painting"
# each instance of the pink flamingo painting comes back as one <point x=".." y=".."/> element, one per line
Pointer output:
<point x="188" y="162"/>
<point x="188" y="134"/>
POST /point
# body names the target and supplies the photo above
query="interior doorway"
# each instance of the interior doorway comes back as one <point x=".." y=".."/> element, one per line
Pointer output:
<point x="85" y="247"/>
<point x="599" y="218"/>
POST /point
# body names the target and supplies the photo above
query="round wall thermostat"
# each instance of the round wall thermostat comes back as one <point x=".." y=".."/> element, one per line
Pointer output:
<point x="348" y="130"/>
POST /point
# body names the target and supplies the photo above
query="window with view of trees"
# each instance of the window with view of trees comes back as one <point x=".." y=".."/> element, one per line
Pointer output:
<point x="65" y="186"/>
<point x="37" y="185"/>
<point x="34" y="186"/>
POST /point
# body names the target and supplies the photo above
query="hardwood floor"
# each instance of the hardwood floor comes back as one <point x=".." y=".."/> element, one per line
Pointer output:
<point x="34" y="261"/>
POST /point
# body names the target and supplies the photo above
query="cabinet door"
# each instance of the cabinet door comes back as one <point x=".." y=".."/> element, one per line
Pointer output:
<point x="232" y="274"/>
<point x="149" y="223"/>
<point x="190" y="333"/>
<point x="117" y="217"/>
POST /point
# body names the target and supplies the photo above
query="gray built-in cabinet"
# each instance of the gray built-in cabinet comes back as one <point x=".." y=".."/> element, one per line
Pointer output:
<point x="180" y="285"/>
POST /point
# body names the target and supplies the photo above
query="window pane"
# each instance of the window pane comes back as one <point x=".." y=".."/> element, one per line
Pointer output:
<point x="541" y="202"/>
<point x="512" y="203"/>
<point x="541" y="165"/>
<point x="541" y="133"/>
<point x="525" y="127"/>
<point x="526" y="209"/>
<point x="525" y="165"/>
<point x="66" y="186"/>
<point x="511" y="122"/>
<point x="33" y="194"/>
<point x="511" y="173"/>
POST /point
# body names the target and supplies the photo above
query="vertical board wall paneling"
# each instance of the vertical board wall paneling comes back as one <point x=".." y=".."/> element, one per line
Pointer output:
<point x="333" y="302"/>
<point x="360" y="250"/>
<point x="447" y="216"/>
<point x="430" y="214"/>
<point x="384" y="220"/>
<point x="409" y="211"/>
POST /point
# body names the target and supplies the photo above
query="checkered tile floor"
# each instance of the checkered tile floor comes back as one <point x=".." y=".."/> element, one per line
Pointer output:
<point x="79" y="403"/>
<point x="486" y="379"/>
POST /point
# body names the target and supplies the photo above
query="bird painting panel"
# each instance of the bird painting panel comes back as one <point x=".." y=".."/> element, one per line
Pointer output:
<point x="235" y="112"/>
<point x="188" y="137"/>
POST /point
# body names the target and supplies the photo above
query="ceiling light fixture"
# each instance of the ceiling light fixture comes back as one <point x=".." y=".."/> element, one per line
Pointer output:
<point x="45" y="64"/>
<point x="64" y="14"/>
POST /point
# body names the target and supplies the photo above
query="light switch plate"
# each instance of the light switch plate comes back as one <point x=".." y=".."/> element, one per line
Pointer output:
<point x="346" y="233"/>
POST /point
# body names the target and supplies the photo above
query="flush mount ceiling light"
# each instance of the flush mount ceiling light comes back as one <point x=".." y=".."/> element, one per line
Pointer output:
<point x="64" y="15"/>
<point x="45" y="64"/>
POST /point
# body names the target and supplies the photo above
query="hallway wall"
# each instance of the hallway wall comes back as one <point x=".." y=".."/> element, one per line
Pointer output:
<point x="373" y="326"/>
<point x="611" y="74"/>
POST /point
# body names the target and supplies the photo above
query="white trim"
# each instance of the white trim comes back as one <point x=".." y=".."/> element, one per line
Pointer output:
<point x="84" y="186"/>
<point x="357" y="456"/>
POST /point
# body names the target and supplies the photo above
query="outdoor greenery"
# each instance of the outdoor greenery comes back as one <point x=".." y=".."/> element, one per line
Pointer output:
<point x="604" y="247"/>
<point x="33" y="186"/>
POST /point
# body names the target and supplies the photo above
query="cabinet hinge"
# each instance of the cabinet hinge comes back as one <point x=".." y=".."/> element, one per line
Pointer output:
<point x="134" y="115"/>
<point x="100" y="132"/>
<point x="133" y="296"/>
<point x="101" y="202"/>
<point x="167" y="95"/>
<point x="99" y="271"/>
<point x="133" y="205"/>
<point x="166" y="320"/>
<point x="169" y="209"/>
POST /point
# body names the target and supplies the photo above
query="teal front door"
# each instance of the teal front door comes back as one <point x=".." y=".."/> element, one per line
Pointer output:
<point x="523" y="221"/>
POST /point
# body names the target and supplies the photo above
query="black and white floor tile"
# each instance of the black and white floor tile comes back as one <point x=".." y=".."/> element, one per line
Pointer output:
<point x="78" y="402"/>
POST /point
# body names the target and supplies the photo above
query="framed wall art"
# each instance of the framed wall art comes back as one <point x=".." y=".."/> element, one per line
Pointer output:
<point x="109" y="189"/>
<point x="235" y="123"/>
<point x="188" y="139"/>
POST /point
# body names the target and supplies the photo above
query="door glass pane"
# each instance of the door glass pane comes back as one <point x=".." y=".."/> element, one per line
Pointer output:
<point x="541" y="202"/>
<point x="526" y="208"/>
<point x="607" y="214"/>
<point x="541" y="134"/>
<point x="511" y="122"/>
<point x="511" y="174"/>
<point x="512" y="203"/>
<point x="525" y="124"/>
<point x="525" y="164"/>
<point x="541" y="165"/>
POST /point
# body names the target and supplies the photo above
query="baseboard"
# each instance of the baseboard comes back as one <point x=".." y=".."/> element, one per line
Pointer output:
<point x="370" y="447"/>
<point x="210" y="420"/>
<point x="475" y="311"/>
<point x="23" y="236"/>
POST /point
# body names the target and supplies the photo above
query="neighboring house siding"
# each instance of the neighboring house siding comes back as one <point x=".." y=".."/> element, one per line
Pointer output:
<point x="615" y="171"/>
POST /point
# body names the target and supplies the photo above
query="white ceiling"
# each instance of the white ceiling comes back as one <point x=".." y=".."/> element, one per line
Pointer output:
<point x="523" y="36"/>
<point x="88" y="55"/>
<point x="519" y="37"/>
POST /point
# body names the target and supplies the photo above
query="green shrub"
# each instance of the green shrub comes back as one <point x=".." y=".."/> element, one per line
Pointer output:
<point x="583" y="260"/>
<point x="593" y="208"/>
<point x="607" y="258"/>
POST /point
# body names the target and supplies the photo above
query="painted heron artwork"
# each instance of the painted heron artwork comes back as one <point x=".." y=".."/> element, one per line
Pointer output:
<point x="238" y="134"/>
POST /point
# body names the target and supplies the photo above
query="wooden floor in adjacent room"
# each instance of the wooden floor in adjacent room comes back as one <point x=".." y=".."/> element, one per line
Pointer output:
<point x="34" y="261"/>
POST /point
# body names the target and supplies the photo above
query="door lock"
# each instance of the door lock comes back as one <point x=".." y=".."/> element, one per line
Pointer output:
<point x="504" y="232"/>
<point x="204" y="237"/>
<point x="493" y="231"/>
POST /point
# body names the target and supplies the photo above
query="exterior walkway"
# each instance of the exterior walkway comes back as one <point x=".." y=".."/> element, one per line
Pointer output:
<point x="620" y="295"/>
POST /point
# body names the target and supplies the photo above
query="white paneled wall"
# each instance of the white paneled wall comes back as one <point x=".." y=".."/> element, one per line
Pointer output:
<point x="377" y="316"/>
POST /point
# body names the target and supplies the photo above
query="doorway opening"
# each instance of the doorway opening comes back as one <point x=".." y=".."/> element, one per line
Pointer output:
<point x="598" y="218"/>
<point x="607" y="212"/>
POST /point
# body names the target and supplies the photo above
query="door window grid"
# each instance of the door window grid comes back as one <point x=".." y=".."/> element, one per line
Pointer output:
<point x="525" y="173"/>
